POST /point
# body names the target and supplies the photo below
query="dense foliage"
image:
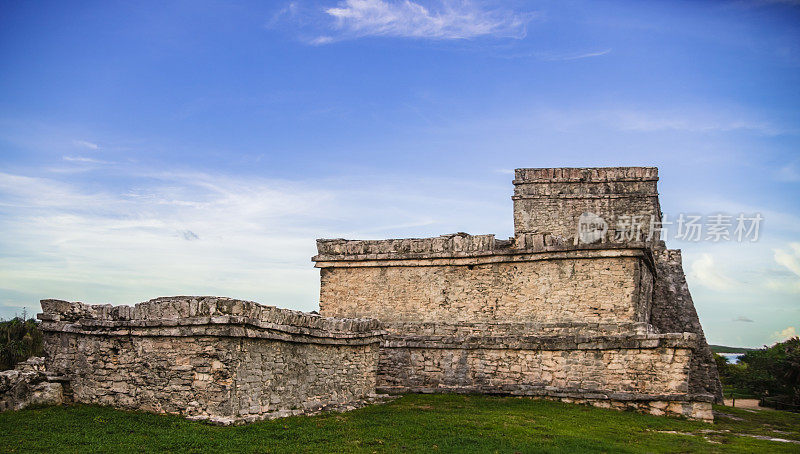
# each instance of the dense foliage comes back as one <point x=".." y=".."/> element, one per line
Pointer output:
<point x="770" y="371"/>
<point x="19" y="340"/>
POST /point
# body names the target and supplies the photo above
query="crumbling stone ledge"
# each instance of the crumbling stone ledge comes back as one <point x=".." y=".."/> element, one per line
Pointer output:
<point x="191" y="315"/>
<point x="526" y="247"/>
<point x="531" y="342"/>
<point x="28" y="384"/>
<point x="585" y="174"/>
<point x="218" y="359"/>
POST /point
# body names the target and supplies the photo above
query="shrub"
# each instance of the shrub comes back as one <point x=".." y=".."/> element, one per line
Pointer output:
<point x="19" y="340"/>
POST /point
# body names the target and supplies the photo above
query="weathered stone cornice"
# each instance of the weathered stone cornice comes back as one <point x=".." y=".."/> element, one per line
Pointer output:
<point x="584" y="174"/>
<point x="576" y="342"/>
<point x="500" y="329"/>
<point x="551" y="252"/>
<point x="206" y="316"/>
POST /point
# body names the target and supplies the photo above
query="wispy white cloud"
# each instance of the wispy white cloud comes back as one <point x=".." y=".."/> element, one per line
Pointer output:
<point x="708" y="274"/>
<point x="657" y="121"/>
<point x="790" y="260"/>
<point x="443" y="20"/>
<point x="83" y="159"/>
<point x="556" y="56"/>
<point x="789" y="173"/>
<point x="85" y="144"/>
<point x="692" y="120"/>
<point x="321" y="40"/>
<point x="290" y="10"/>
<point x="785" y="334"/>
<point x="574" y="56"/>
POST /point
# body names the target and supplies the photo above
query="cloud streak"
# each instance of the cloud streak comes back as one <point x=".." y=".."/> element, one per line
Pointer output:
<point x="443" y="20"/>
<point x="578" y="56"/>
<point x="785" y="334"/>
<point x="689" y="120"/>
<point x="86" y="144"/>
<point x="83" y="159"/>
<point x="708" y="274"/>
<point x="790" y="260"/>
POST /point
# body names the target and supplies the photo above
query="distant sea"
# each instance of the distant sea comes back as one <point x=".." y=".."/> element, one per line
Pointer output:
<point x="733" y="358"/>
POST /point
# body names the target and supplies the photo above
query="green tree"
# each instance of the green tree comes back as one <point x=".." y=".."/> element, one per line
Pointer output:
<point x="19" y="340"/>
<point x="722" y="366"/>
<point x="770" y="371"/>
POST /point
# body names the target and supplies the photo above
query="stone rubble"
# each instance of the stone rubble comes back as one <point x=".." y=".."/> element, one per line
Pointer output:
<point x="29" y="385"/>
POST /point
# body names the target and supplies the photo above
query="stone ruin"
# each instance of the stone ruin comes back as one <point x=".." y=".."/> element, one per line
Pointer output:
<point x="216" y="359"/>
<point x="584" y="304"/>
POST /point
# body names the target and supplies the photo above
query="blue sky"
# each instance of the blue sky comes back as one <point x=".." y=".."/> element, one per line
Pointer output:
<point x="163" y="148"/>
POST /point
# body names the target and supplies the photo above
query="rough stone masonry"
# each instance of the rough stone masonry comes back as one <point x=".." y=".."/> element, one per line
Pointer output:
<point x="216" y="359"/>
<point x="583" y="304"/>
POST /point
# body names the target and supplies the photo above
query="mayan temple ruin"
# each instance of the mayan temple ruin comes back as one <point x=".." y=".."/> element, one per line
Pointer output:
<point x="584" y="304"/>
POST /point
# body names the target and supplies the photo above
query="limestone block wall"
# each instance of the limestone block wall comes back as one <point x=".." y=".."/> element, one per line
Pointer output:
<point x="526" y="286"/>
<point x="642" y="367"/>
<point x="646" y="372"/>
<point x="550" y="200"/>
<point x="218" y="359"/>
<point x="673" y="311"/>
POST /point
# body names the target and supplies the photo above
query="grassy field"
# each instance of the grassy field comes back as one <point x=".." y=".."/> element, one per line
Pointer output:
<point x="413" y="423"/>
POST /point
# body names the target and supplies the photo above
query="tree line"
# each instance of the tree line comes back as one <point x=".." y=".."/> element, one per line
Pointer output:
<point x="770" y="372"/>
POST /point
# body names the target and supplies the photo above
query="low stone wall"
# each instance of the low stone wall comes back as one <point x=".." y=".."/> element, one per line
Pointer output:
<point x="647" y="372"/>
<point x="218" y="359"/>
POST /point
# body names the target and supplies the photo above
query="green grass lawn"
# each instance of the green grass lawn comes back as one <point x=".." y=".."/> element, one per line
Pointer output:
<point x="413" y="423"/>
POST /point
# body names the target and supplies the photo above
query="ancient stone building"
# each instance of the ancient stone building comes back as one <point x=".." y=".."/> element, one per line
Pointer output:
<point x="583" y="304"/>
<point x="216" y="359"/>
